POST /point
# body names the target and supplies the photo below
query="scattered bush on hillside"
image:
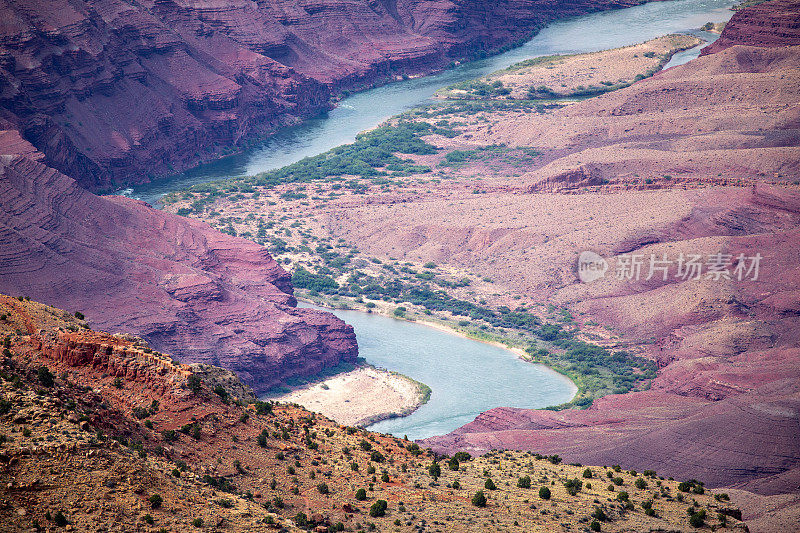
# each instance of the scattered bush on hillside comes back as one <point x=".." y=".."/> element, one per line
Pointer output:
<point x="479" y="500"/>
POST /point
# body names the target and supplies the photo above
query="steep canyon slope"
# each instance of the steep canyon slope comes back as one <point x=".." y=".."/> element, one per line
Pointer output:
<point x="118" y="92"/>
<point x="188" y="289"/>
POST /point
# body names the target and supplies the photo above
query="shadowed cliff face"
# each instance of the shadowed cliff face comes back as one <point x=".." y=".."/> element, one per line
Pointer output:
<point x="115" y="93"/>
<point x="186" y="288"/>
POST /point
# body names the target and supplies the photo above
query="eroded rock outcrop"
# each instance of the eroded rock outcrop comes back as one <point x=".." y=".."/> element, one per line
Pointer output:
<point x="771" y="24"/>
<point x="184" y="287"/>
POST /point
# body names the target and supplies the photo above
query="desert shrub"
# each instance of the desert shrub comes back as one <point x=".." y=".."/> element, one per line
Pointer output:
<point x="435" y="470"/>
<point x="155" y="501"/>
<point x="377" y="456"/>
<point x="599" y="514"/>
<point x="194" y="383"/>
<point x="462" y="457"/>
<point x="220" y="391"/>
<point x="453" y="464"/>
<point x="573" y="486"/>
<point x="544" y="493"/>
<point x="323" y="488"/>
<point x="479" y="500"/>
<point x="524" y="482"/>
<point x="489" y="484"/>
<point x="378" y="508"/>
<point x="698" y="518"/>
<point x="46" y="377"/>
<point x="5" y="406"/>
<point x="303" y="279"/>
<point x="301" y="519"/>
<point x="60" y="520"/>
<point x="587" y="473"/>
<point x="263" y="408"/>
<point x="361" y="495"/>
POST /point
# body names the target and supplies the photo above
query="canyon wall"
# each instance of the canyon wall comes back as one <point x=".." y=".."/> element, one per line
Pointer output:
<point x="117" y="93"/>
<point x="763" y="25"/>
<point x="186" y="288"/>
<point x="725" y="406"/>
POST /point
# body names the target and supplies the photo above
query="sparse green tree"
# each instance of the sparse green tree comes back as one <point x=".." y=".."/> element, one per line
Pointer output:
<point x="378" y="508"/>
<point x="435" y="470"/>
<point x="479" y="500"/>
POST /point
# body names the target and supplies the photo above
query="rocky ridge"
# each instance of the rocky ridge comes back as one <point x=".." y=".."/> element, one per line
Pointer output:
<point x="96" y="432"/>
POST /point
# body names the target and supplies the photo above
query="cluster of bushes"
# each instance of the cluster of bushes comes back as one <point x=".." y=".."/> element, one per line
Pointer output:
<point x="573" y="486"/>
<point x="602" y="371"/>
<point x="692" y="486"/>
<point x="542" y="92"/>
<point x="220" y="483"/>
<point x="516" y="156"/>
<point x="303" y="279"/>
<point x="372" y="155"/>
<point x="378" y="508"/>
<point x="371" y="151"/>
<point x="480" y="88"/>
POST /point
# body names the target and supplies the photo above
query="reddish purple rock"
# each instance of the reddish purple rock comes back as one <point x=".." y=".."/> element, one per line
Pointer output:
<point x="188" y="289"/>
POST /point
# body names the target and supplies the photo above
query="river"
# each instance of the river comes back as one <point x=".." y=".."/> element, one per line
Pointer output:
<point x="367" y="109"/>
<point x="466" y="377"/>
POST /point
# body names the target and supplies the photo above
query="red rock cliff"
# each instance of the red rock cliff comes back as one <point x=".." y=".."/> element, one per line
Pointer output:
<point x="771" y="24"/>
<point x="121" y="92"/>
<point x="183" y="286"/>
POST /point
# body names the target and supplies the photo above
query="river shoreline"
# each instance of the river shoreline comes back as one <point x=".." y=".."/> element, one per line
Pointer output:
<point x="522" y="354"/>
<point x="362" y="396"/>
<point x="519" y="352"/>
<point x="314" y="135"/>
